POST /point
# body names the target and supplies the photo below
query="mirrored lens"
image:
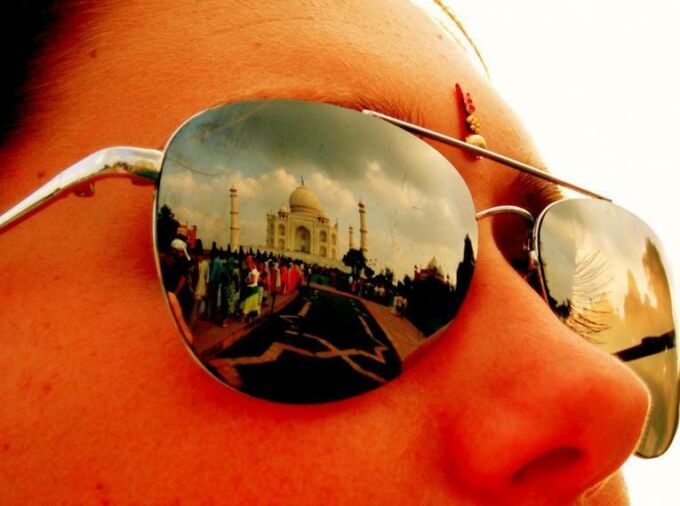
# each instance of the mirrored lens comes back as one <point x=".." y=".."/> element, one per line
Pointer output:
<point x="306" y="249"/>
<point x="604" y="276"/>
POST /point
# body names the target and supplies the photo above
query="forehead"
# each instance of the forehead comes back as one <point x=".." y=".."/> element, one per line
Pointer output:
<point x="179" y="59"/>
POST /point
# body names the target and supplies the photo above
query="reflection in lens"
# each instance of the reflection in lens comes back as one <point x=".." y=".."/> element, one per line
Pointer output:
<point x="308" y="249"/>
<point x="604" y="276"/>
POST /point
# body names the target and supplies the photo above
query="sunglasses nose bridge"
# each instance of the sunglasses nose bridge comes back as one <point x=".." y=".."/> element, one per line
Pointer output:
<point x="519" y="211"/>
<point x="492" y="211"/>
<point x="533" y="272"/>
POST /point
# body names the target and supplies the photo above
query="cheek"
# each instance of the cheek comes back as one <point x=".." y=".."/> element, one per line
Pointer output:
<point x="63" y="262"/>
<point x="96" y="373"/>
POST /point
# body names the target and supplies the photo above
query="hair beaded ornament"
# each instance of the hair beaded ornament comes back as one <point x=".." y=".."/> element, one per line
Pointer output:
<point x="470" y="124"/>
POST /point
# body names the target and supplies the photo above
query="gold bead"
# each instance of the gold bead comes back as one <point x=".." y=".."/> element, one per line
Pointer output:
<point x="476" y="140"/>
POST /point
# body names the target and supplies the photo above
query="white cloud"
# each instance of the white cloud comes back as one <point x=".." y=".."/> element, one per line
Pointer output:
<point x="337" y="199"/>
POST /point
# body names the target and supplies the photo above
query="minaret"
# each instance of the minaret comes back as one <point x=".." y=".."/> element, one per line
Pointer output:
<point x="234" y="229"/>
<point x="362" y="228"/>
<point x="351" y="237"/>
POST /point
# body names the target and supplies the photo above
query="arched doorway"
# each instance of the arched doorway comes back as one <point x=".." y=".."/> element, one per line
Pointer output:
<point x="302" y="239"/>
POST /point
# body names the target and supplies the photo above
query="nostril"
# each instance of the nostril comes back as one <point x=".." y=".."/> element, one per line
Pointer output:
<point x="550" y="463"/>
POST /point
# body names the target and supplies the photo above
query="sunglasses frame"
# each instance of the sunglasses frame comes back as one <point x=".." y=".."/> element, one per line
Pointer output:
<point x="143" y="167"/>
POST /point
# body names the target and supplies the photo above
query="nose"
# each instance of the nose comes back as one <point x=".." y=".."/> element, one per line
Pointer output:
<point x="528" y="412"/>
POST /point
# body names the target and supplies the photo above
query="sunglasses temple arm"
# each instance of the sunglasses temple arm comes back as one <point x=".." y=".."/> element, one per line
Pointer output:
<point x="648" y="346"/>
<point x="485" y="153"/>
<point x="143" y="165"/>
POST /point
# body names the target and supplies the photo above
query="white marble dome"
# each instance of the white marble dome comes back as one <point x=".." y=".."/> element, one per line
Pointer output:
<point x="302" y="200"/>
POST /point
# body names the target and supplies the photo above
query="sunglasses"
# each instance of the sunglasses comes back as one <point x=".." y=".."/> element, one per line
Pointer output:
<point x="307" y="250"/>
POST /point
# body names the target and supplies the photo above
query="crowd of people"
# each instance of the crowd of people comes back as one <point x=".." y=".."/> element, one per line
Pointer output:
<point x="223" y="286"/>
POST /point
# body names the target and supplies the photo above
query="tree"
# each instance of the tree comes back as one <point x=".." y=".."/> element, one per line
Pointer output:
<point x="465" y="268"/>
<point x="355" y="260"/>
<point x="166" y="227"/>
<point x="389" y="276"/>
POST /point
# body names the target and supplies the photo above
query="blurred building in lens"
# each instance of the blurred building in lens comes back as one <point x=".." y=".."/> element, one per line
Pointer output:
<point x="433" y="271"/>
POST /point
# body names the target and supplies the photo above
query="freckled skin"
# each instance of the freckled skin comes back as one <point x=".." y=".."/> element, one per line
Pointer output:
<point x="102" y="403"/>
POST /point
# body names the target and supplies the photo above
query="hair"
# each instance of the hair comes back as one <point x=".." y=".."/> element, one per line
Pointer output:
<point x="26" y="28"/>
<point x="442" y="14"/>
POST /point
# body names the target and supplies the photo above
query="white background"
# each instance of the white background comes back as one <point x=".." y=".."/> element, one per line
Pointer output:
<point x="596" y="83"/>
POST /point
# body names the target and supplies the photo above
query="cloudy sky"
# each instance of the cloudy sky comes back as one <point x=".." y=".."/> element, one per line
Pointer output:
<point x="416" y="205"/>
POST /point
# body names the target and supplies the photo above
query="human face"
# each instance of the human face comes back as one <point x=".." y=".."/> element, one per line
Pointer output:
<point x="507" y="407"/>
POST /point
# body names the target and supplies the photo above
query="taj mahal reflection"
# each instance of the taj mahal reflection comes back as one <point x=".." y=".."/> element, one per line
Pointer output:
<point x="253" y="312"/>
<point x="263" y="244"/>
<point x="302" y="226"/>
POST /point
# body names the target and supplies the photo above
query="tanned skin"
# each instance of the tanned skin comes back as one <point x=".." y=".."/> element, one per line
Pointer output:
<point x="102" y="404"/>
